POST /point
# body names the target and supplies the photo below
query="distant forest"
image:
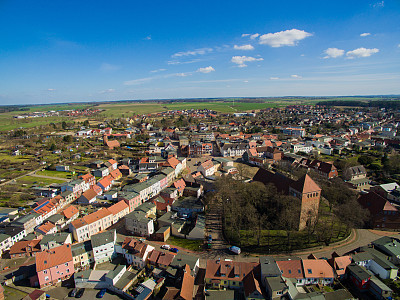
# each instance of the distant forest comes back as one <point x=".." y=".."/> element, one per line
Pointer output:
<point x="4" y="109"/>
<point x="392" y="104"/>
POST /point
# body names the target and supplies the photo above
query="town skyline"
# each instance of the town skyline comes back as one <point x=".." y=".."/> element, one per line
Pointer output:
<point x="58" y="53"/>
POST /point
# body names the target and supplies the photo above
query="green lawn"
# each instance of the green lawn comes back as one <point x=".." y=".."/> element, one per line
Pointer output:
<point x="31" y="180"/>
<point x="54" y="173"/>
<point x="129" y="109"/>
<point x="194" y="245"/>
<point x="14" y="159"/>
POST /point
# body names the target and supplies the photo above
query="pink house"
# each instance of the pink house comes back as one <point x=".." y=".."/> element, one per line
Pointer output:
<point x="53" y="266"/>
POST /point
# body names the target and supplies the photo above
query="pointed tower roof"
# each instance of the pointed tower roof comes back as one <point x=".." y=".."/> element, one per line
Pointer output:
<point x="305" y="185"/>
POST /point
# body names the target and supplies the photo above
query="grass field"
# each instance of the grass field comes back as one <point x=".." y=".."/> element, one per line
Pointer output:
<point x="31" y="180"/>
<point x="115" y="110"/>
<point x="194" y="245"/>
<point x="14" y="159"/>
<point x="54" y="173"/>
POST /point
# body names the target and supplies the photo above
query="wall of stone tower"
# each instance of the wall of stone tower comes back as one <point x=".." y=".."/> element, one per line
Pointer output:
<point x="309" y="208"/>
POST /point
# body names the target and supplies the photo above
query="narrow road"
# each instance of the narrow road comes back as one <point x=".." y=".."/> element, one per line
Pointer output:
<point x="16" y="178"/>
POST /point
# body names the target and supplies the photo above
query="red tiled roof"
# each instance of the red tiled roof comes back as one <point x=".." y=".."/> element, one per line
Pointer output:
<point x="46" y="227"/>
<point x="173" y="162"/>
<point x="69" y="212"/>
<point x="291" y="268"/>
<point x="117" y="207"/>
<point x="112" y="161"/>
<point x="187" y="286"/>
<point x="53" y="257"/>
<point x="317" y="268"/>
<point x="89" y="194"/>
<point x="305" y="185"/>
<point x="116" y="174"/>
<point x="105" y="181"/>
<point x="23" y="247"/>
<point x="97" y="215"/>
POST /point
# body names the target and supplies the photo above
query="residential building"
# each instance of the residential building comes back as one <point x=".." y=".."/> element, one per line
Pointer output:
<point x="53" y="266"/>
<point x="135" y="252"/>
<point x="103" y="245"/>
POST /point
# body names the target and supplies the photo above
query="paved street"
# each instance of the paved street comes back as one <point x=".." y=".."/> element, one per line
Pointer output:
<point x="62" y="293"/>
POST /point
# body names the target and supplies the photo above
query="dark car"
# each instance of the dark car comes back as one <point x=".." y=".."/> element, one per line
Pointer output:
<point x="175" y="250"/>
<point x="73" y="292"/>
<point x="101" y="293"/>
<point x="79" y="294"/>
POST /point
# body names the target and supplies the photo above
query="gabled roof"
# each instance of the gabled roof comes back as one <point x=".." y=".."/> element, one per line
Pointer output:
<point x="375" y="203"/>
<point x="291" y="268"/>
<point x="53" y="257"/>
<point x="118" y="207"/>
<point x="305" y="185"/>
<point x="46" y="227"/>
<point x="317" y="268"/>
<point x="70" y="211"/>
<point x="97" y="215"/>
<point x="187" y="287"/>
<point x="25" y="247"/>
<point x="105" y="181"/>
<point x="89" y="194"/>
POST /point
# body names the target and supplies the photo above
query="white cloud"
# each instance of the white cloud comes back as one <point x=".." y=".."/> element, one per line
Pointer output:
<point x="206" y="69"/>
<point x="365" y="34"/>
<point x="148" y="38"/>
<point x="243" y="47"/>
<point x="107" y="91"/>
<point x="296" y="76"/>
<point x="333" y="53"/>
<point x="200" y="51"/>
<point x="175" y="62"/>
<point x="253" y="36"/>
<point x="245" y="81"/>
<point x="138" y="81"/>
<point x="398" y="45"/>
<point x="158" y="70"/>
<point x="379" y="4"/>
<point x="274" y="78"/>
<point x="181" y="74"/>
<point x="361" y="52"/>
<point x="283" y="38"/>
<point x="245" y="34"/>
<point x="106" y="67"/>
<point x="240" y="60"/>
<point x="51" y="90"/>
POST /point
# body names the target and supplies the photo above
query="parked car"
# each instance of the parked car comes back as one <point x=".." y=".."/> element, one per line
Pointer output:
<point x="73" y="292"/>
<point x="101" y="293"/>
<point x="79" y="294"/>
<point x="166" y="247"/>
<point x="175" y="250"/>
<point x="209" y="238"/>
<point x="234" y="249"/>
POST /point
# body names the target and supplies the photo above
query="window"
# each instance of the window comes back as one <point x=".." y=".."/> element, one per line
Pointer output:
<point x="45" y="271"/>
<point x="46" y="278"/>
<point x="309" y="271"/>
<point x="66" y="264"/>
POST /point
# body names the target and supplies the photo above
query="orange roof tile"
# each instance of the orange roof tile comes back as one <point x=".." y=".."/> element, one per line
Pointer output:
<point x="317" y="268"/>
<point x="117" y="207"/>
<point x="53" y="257"/>
<point x="70" y="211"/>
<point x="97" y="215"/>
<point x="46" y="227"/>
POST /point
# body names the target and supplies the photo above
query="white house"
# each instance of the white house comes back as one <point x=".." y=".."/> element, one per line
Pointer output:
<point x="103" y="245"/>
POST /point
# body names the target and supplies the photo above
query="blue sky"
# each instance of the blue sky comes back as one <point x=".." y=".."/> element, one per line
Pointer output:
<point x="72" y="51"/>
